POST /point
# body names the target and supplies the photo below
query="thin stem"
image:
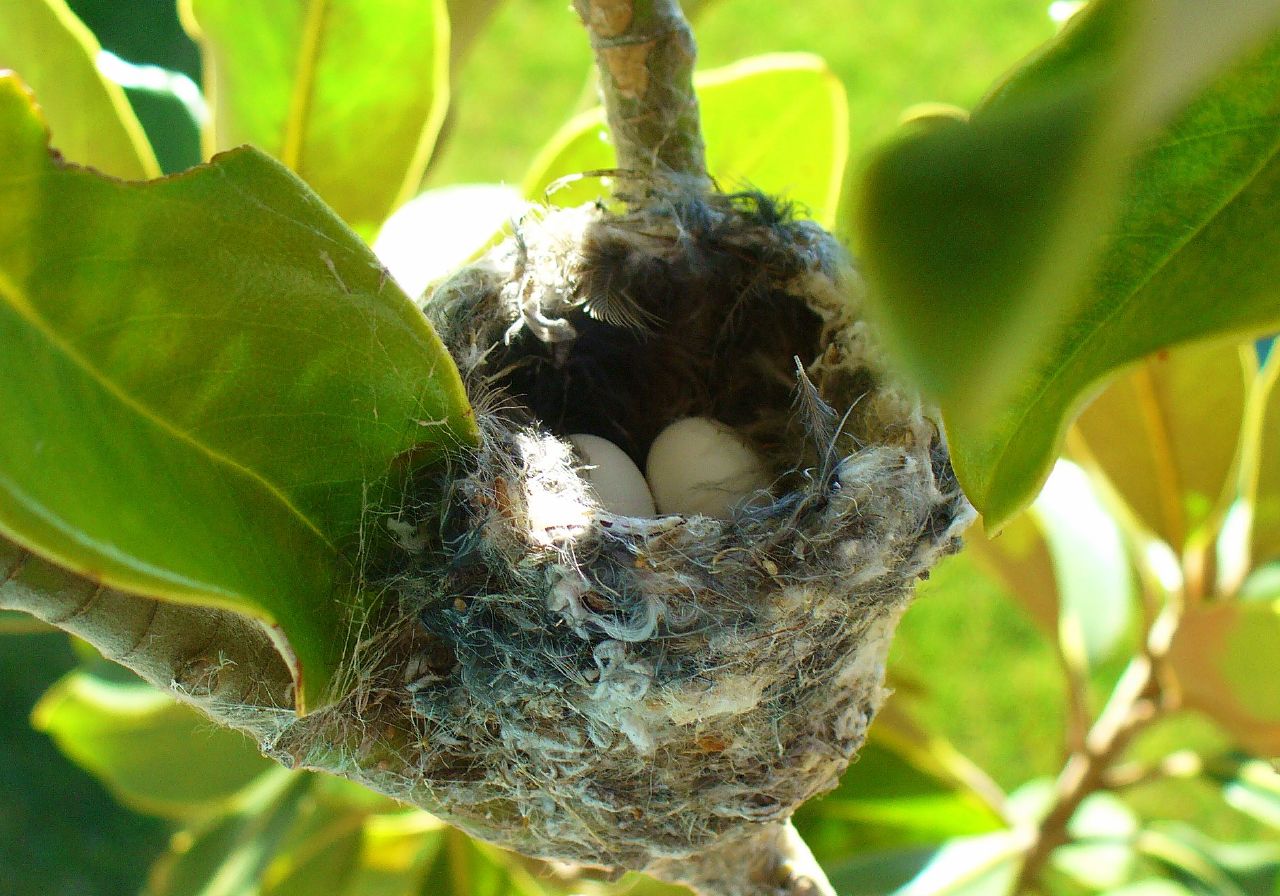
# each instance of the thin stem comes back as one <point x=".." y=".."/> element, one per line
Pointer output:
<point x="645" y="53"/>
<point x="1137" y="701"/>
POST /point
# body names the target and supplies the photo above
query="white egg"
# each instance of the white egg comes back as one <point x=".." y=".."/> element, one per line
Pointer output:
<point x="615" y="480"/>
<point x="698" y="465"/>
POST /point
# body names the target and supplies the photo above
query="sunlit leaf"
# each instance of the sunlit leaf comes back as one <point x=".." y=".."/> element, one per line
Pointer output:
<point x="1251" y="787"/>
<point x="1087" y="606"/>
<point x="972" y="866"/>
<point x="1210" y="866"/>
<point x="1095" y="582"/>
<point x="395" y="853"/>
<point x="436" y="232"/>
<point x="906" y="789"/>
<point x="1224" y="658"/>
<point x="1264" y="487"/>
<point x="981" y="237"/>
<point x="229" y="855"/>
<point x="1153" y="887"/>
<point x="1167" y="432"/>
<point x="466" y="867"/>
<point x="154" y="753"/>
<point x="44" y="42"/>
<point x="1102" y="829"/>
<point x="1102" y="855"/>
<point x="208" y="388"/>
<point x="350" y="94"/>
<point x="778" y="123"/>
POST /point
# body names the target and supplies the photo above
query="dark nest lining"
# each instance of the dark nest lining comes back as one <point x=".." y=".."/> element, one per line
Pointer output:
<point x="620" y="691"/>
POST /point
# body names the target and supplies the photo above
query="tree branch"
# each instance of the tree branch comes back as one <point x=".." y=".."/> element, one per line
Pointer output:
<point x="1137" y="701"/>
<point x="220" y="661"/>
<point x="645" y="54"/>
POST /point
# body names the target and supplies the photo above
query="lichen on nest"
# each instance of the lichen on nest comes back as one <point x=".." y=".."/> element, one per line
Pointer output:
<point x="624" y="691"/>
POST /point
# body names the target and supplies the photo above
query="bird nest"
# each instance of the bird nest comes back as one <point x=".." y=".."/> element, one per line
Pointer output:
<point x="581" y="685"/>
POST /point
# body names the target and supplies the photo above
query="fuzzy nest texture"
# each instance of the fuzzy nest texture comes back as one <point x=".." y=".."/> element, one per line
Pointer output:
<point x="628" y="691"/>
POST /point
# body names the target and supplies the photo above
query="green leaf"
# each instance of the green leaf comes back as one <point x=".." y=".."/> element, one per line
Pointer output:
<point x="155" y="754"/>
<point x="1102" y="830"/>
<point x="1252" y="787"/>
<point x="777" y="122"/>
<point x="1262" y="486"/>
<point x="467" y="867"/>
<point x="981" y="238"/>
<point x="1224" y="659"/>
<point x="438" y="231"/>
<point x="44" y="42"/>
<point x="1209" y="866"/>
<point x="229" y="855"/>
<point x="208" y="379"/>
<point x="1087" y="607"/>
<point x="1167" y="433"/>
<point x="350" y="94"/>
<point x="971" y="866"/>
<point x="1096" y="599"/>
<point x="906" y="789"/>
<point x="395" y="854"/>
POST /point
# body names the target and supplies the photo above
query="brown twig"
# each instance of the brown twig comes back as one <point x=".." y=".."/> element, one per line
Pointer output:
<point x="645" y="53"/>
<point x="1137" y="701"/>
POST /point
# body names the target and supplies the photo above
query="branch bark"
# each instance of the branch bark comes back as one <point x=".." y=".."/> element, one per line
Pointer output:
<point x="214" y="659"/>
<point x="1137" y="701"/>
<point x="645" y="53"/>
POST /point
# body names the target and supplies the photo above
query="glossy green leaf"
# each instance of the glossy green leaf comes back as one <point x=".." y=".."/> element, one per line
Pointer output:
<point x="229" y="855"/>
<point x="1087" y="607"/>
<point x="396" y="852"/>
<point x="778" y="123"/>
<point x="1251" y="787"/>
<point x="44" y="42"/>
<point x="438" y="231"/>
<point x="1263" y="487"/>
<point x="906" y="789"/>
<point x="1167" y="433"/>
<point x="1101" y="856"/>
<point x="154" y="753"/>
<point x="350" y="94"/>
<point x="1096" y="598"/>
<point x="1224" y="659"/>
<point x="1208" y="865"/>
<point x="981" y="238"/>
<point x="467" y="867"/>
<point x="986" y="865"/>
<point x="207" y="389"/>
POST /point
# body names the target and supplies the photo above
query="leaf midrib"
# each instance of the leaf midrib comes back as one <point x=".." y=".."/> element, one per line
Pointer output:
<point x="300" y="100"/>
<point x="1069" y="356"/>
<point x="21" y="303"/>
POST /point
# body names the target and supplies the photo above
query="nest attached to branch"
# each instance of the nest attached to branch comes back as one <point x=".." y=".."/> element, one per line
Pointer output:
<point x="625" y="691"/>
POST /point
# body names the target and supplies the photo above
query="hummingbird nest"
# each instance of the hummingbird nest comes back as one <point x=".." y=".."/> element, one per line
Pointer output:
<point x="623" y="691"/>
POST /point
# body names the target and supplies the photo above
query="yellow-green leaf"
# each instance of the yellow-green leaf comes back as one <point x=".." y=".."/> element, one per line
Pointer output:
<point x="1263" y="489"/>
<point x="1224" y="659"/>
<point x="777" y="122"/>
<point x="350" y="94"/>
<point x="1087" y="607"/>
<point x="1167" y="433"/>
<point x="154" y="753"/>
<point x="92" y="122"/>
<point x="208" y="379"/>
